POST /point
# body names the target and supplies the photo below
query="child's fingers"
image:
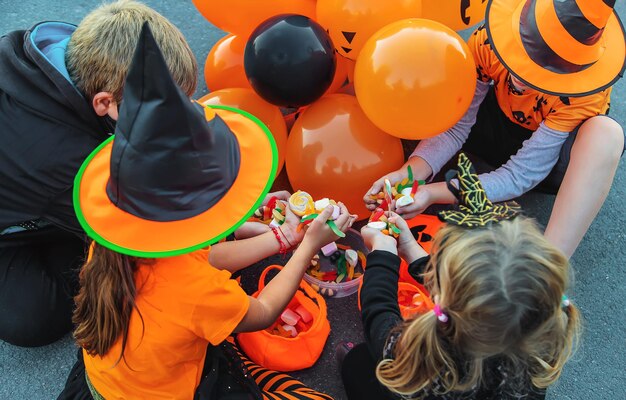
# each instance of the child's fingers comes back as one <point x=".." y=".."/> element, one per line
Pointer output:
<point x="344" y="216"/>
<point x="324" y="215"/>
<point x="282" y="195"/>
<point x="377" y="186"/>
<point x="372" y="206"/>
<point x="352" y="220"/>
<point x="397" y="220"/>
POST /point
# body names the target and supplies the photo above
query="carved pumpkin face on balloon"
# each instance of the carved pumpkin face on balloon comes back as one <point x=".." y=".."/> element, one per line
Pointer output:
<point x="351" y="22"/>
<point x="455" y="14"/>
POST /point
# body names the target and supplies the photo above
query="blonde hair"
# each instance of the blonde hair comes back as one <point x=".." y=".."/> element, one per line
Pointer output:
<point x="100" y="51"/>
<point x="502" y="289"/>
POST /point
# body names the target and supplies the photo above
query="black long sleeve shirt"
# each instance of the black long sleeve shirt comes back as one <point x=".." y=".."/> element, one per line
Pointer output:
<point x="381" y="314"/>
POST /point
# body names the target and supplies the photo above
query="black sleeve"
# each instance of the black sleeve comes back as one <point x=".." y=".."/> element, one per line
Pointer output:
<point x="417" y="268"/>
<point x="379" y="299"/>
<point x="62" y="214"/>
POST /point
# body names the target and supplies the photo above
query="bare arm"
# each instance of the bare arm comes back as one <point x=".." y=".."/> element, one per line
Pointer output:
<point x="239" y="254"/>
<point x="265" y="309"/>
<point x="273" y="299"/>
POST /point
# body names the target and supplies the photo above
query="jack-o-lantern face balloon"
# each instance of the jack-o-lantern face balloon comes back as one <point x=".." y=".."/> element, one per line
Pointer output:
<point x="351" y="22"/>
<point x="455" y="14"/>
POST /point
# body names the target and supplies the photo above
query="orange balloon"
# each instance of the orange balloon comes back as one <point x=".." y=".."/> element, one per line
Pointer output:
<point x="334" y="151"/>
<point x="224" y="64"/>
<point x="248" y="100"/>
<point x="455" y="14"/>
<point x="351" y="65"/>
<point x="341" y="75"/>
<point x="415" y="78"/>
<point x="351" y="22"/>
<point x="243" y="16"/>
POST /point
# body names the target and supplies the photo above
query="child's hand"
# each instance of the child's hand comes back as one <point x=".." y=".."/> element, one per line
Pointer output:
<point x="376" y="240"/>
<point x="408" y="248"/>
<point x="280" y="195"/>
<point x="377" y="187"/>
<point x="290" y="227"/>
<point x="319" y="234"/>
<point x="421" y="201"/>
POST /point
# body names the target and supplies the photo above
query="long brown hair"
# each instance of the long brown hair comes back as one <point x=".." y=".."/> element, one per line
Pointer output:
<point x="502" y="289"/>
<point x="105" y="301"/>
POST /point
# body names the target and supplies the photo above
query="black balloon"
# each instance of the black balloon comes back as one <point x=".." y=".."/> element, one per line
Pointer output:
<point x="290" y="60"/>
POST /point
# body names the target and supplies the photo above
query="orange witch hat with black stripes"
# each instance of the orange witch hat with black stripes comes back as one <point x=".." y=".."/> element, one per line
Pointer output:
<point x="560" y="47"/>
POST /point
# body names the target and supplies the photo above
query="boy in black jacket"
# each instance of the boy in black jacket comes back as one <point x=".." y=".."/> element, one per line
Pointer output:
<point x="60" y="87"/>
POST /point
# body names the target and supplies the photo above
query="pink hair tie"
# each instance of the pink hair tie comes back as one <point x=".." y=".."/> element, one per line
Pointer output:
<point x="441" y="316"/>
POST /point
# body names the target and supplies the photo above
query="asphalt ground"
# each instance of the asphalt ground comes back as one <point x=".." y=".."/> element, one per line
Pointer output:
<point x="598" y="369"/>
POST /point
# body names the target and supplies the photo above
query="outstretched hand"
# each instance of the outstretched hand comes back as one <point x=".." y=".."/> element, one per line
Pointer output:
<point x="318" y="234"/>
<point x="376" y="240"/>
<point x="408" y="248"/>
<point x="421" y="201"/>
<point x="377" y="187"/>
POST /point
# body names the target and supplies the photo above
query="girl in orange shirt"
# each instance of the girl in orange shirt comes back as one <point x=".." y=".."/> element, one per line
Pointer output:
<point x="153" y="315"/>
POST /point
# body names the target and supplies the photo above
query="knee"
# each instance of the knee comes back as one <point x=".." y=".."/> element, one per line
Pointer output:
<point x="602" y="137"/>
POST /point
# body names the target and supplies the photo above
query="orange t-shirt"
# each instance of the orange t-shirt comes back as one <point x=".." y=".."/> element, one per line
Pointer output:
<point x="531" y="107"/>
<point x="185" y="304"/>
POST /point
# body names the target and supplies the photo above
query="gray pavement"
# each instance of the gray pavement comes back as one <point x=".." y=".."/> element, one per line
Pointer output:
<point x="597" y="371"/>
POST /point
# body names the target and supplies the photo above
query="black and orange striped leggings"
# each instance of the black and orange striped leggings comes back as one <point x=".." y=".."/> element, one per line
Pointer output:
<point x="278" y="386"/>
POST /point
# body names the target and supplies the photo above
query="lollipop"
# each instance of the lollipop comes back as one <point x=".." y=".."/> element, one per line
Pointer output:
<point x="301" y="203"/>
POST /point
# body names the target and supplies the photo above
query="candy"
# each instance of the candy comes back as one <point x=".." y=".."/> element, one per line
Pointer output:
<point x="377" y="214"/>
<point x="291" y="329"/>
<point x="406" y="191"/>
<point x="301" y="203"/>
<point x="341" y="266"/>
<point x="304" y="314"/>
<point x="363" y="260"/>
<point x="315" y="260"/>
<point x="320" y="205"/>
<point x="414" y="188"/>
<point x="378" y="225"/>
<point x="404" y="201"/>
<point x="329" y="249"/>
<point x="289" y="317"/>
<point x="301" y="327"/>
<point x="351" y="257"/>
<point x="280" y="331"/>
<point x="417" y="299"/>
<point x="274" y="224"/>
<point x="350" y="272"/>
<point x="336" y="212"/>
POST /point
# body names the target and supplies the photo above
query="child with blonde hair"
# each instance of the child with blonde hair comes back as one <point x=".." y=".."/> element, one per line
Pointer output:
<point x="501" y="328"/>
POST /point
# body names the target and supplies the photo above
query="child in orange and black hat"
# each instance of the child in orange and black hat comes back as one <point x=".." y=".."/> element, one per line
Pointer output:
<point x="153" y="315"/>
<point x="538" y="117"/>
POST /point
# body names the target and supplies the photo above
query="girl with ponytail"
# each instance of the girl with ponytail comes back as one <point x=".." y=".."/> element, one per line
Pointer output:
<point x="502" y="327"/>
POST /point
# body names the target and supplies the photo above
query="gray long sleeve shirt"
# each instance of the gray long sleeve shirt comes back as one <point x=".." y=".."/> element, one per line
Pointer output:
<point x="522" y="172"/>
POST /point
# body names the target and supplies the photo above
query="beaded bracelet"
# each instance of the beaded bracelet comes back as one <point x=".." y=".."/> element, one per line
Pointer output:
<point x="283" y="248"/>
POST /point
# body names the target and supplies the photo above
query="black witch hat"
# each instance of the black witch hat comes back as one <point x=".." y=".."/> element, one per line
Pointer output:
<point x="475" y="209"/>
<point x="173" y="164"/>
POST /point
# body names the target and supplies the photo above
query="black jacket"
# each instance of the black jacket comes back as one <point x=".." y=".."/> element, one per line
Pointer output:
<point x="381" y="314"/>
<point x="47" y="128"/>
